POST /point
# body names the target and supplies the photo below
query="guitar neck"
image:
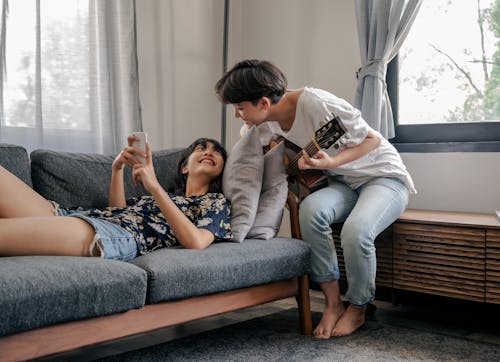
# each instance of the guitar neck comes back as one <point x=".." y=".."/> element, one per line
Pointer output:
<point x="293" y="167"/>
<point x="324" y="137"/>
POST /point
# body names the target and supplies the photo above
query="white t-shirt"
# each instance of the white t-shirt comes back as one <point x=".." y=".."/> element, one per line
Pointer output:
<point x="314" y="108"/>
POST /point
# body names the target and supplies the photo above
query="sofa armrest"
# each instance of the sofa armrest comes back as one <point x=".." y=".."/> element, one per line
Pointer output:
<point x="15" y="159"/>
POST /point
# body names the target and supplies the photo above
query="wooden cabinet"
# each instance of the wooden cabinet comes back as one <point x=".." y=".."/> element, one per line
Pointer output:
<point x="493" y="266"/>
<point x="442" y="260"/>
<point x="453" y="254"/>
<point x="450" y="254"/>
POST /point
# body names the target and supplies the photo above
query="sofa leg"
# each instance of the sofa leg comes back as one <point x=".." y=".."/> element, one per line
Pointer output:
<point x="304" y="306"/>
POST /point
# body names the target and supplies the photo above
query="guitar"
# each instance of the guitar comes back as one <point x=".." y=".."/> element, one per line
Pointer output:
<point x="324" y="137"/>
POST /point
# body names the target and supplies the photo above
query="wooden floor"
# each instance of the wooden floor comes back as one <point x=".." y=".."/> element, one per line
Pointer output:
<point x="441" y="315"/>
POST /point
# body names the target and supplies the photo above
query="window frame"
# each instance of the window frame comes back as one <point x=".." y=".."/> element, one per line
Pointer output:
<point x="439" y="137"/>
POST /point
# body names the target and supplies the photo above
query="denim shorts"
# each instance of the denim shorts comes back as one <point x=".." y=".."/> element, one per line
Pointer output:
<point x="113" y="241"/>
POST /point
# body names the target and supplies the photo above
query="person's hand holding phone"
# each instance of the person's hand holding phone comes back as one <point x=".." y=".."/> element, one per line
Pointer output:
<point x="134" y="153"/>
<point x="143" y="171"/>
<point x="140" y="141"/>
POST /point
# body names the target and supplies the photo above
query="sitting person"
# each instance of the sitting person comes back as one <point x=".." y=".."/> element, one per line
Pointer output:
<point x="193" y="214"/>
<point x="368" y="184"/>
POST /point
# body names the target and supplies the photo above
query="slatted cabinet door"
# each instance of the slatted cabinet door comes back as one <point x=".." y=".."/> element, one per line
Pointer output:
<point x="451" y="254"/>
<point x="493" y="266"/>
<point x="440" y="260"/>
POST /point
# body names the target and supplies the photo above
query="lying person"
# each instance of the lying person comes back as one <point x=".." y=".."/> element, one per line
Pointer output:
<point x="193" y="214"/>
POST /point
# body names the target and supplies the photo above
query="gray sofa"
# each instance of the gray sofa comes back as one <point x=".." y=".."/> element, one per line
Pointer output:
<point x="50" y="305"/>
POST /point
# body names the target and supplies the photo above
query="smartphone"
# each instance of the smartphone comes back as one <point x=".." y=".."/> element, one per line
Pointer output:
<point x="141" y="142"/>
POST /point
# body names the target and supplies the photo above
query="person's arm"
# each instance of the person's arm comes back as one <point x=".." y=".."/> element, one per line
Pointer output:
<point x="188" y="234"/>
<point x="127" y="157"/>
<point x="117" y="189"/>
<point x="323" y="161"/>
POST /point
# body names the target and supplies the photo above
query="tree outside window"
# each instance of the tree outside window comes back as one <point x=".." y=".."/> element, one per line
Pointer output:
<point x="449" y="66"/>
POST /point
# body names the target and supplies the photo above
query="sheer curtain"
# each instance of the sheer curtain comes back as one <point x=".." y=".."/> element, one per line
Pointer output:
<point x="70" y="80"/>
<point x="382" y="28"/>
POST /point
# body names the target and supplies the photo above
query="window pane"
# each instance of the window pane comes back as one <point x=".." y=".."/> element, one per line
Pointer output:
<point x="19" y="86"/>
<point x="447" y="71"/>
<point x="64" y="65"/>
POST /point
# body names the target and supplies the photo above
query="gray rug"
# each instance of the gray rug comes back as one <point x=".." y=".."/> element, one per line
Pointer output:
<point x="275" y="338"/>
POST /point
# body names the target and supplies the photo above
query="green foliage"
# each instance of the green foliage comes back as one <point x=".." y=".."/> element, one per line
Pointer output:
<point x="486" y="106"/>
<point x="494" y="18"/>
<point x="492" y="91"/>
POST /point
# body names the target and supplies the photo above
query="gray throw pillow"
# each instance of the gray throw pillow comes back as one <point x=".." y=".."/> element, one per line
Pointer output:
<point x="273" y="195"/>
<point x="242" y="182"/>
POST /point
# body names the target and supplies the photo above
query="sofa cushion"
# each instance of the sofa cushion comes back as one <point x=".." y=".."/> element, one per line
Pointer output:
<point x="42" y="290"/>
<point x="242" y="182"/>
<point x="15" y="159"/>
<point x="177" y="273"/>
<point x="82" y="179"/>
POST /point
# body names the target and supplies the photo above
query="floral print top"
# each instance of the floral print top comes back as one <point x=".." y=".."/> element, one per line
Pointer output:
<point x="142" y="217"/>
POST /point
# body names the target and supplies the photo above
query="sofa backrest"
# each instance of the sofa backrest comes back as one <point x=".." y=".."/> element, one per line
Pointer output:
<point x="79" y="179"/>
<point x="15" y="159"/>
<point x="82" y="179"/>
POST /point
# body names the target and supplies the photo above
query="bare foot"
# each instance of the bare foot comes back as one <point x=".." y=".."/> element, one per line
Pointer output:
<point x="352" y="319"/>
<point x="328" y="321"/>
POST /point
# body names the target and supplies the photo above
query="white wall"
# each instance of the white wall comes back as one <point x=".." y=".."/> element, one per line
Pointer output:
<point x="455" y="181"/>
<point x="315" y="43"/>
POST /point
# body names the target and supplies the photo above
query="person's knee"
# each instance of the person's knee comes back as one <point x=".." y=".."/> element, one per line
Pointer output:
<point x="356" y="237"/>
<point x="310" y="215"/>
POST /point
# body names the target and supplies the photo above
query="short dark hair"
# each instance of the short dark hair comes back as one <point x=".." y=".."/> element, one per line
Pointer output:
<point x="249" y="81"/>
<point x="180" y="178"/>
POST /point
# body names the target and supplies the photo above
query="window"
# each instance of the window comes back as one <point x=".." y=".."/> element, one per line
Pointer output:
<point x="70" y="80"/>
<point x="63" y="61"/>
<point x="445" y="83"/>
<point x="46" y="83"/>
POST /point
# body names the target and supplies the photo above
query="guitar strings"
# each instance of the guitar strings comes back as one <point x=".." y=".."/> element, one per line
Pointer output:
<point x="311" y="149"/>
<point x="315" y="145"/>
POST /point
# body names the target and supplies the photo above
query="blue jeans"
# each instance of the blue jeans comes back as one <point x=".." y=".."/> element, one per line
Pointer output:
<point x="113" y="241"/>
<point x="365" y="212"/>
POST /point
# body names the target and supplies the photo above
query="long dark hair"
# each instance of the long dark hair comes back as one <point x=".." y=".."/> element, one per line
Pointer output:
<point x="180" y="178"/>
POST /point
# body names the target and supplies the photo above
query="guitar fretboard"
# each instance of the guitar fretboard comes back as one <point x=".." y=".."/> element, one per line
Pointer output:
<point x="324" y="137"/>
<point x="293" y="167"/>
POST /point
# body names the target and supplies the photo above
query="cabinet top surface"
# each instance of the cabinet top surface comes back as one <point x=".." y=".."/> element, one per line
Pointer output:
<point x="450" y="218"/>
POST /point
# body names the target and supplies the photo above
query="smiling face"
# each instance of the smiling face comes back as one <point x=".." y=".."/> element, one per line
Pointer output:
<point x="205" y="159"/>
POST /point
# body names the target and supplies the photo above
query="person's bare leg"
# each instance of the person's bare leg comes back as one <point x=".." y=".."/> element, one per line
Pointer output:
<point x="52" y="235"/>
<point x="352" y="319"/>
<point x="19" y="200"/>
<point x="332" y="312"/>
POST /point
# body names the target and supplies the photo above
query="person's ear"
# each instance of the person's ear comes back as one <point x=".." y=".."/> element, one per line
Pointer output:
<point x="265" y="103"/>
<point x="184" y="170"/>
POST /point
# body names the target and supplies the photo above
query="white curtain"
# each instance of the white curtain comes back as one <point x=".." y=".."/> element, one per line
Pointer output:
<point x="382" y="28"/>
<point x="70" y="80"/>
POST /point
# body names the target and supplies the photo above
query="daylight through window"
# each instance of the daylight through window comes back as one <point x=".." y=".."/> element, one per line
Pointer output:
<point x="449" y="65"/>
<point x="52" y="84"/>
